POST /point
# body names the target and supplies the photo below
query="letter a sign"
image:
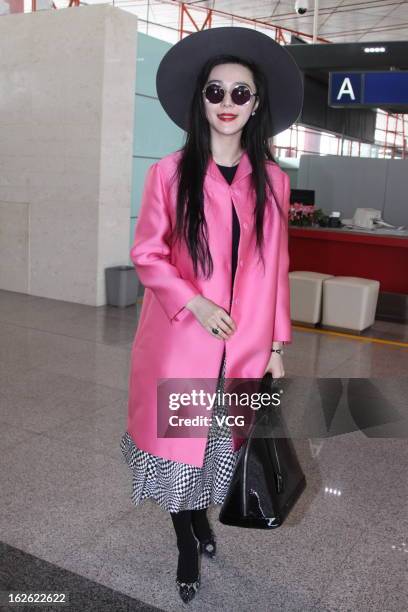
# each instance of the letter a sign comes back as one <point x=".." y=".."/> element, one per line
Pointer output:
<point x="369" y="89"/>
<point x="344" y="89"/>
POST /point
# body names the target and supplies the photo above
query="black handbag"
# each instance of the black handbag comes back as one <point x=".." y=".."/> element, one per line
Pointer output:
<point x="267" y="479"/>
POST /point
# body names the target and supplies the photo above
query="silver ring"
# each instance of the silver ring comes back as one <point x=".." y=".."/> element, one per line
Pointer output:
<point x="215" y="330"/>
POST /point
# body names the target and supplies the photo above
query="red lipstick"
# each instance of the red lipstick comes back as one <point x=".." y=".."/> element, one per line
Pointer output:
<point x="227" y="117"/>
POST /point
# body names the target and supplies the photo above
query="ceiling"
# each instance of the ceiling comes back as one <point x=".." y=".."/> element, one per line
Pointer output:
<point x="339" y="20"/>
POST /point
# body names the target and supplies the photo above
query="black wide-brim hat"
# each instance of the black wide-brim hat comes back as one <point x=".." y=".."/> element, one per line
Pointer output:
<point x="178" y="70"/>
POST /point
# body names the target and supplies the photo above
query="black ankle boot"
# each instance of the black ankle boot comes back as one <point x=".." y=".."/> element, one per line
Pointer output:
<point x="203" y="532"/>
<point x="188" y="589"/>
<point x="188" y="566"/>
<point x="209" y="547"/>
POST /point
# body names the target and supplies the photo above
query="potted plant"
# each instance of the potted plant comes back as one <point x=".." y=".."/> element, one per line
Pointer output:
<point x="305" y="215"/>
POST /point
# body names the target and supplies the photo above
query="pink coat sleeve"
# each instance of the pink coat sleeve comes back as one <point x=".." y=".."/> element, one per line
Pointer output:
<point x="150" y="252"/>
<point x="283" y="327"/>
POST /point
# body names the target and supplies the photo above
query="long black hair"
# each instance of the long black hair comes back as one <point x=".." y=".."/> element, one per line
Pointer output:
<point x="191" y="169"/>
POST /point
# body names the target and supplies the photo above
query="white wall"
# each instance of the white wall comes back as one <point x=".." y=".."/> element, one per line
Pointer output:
<point x="67" y="81"/>
<point x="346" y="183"/>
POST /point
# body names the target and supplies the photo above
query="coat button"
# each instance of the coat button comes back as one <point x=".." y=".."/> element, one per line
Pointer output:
<point x="245" y="224"/>
<point x="241" y="263"/>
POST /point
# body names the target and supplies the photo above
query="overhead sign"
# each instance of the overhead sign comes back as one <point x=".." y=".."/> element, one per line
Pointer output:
<point x="369" y="89"/>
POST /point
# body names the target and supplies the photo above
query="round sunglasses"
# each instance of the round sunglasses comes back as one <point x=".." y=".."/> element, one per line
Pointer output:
<point x="240" y="94"/>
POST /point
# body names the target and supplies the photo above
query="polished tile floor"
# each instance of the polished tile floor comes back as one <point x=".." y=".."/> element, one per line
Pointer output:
<point x="66" y="518"/>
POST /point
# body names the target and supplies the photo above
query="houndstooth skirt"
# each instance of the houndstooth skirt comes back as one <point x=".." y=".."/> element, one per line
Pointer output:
<point x="179" y="486"/>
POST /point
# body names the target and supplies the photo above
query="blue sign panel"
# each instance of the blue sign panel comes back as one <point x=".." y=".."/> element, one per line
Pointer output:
<point x="386" y="88"/>
<point x="368" y="88"/>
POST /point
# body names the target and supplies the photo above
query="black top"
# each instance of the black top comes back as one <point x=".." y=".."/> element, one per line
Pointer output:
<point x="229" y="173"/>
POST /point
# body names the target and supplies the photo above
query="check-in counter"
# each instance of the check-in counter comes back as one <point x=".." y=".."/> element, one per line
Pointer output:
<point x="378" y="254"/>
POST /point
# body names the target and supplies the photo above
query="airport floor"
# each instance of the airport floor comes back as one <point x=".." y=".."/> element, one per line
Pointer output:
<point x="67" y="523"/>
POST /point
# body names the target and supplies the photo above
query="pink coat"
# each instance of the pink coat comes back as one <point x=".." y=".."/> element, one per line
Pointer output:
<point x="169" y="341"/>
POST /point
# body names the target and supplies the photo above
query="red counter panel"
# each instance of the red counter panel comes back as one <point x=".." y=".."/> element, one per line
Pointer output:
<point x="344" y="253"/>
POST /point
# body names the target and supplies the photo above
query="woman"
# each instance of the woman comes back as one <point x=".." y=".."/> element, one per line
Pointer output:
<point x="211" y="250"/>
